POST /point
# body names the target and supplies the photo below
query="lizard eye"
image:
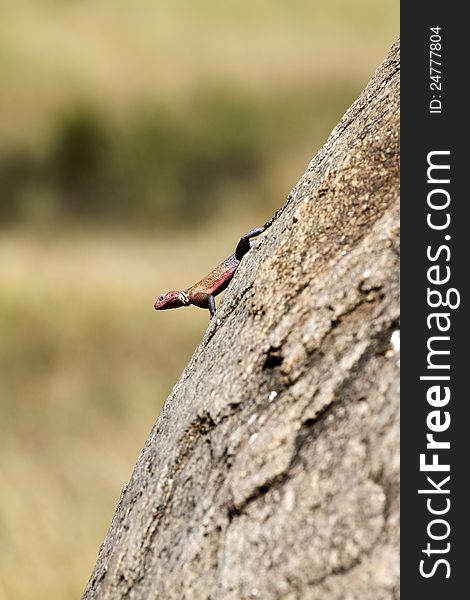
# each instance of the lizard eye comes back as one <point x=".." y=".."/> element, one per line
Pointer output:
<point x="160" y="298"/>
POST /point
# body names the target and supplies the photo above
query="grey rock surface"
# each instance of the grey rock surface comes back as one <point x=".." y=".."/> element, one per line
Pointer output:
<point x="272" y="472"/>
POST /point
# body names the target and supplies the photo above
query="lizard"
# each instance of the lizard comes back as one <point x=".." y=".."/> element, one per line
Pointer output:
<point x="202" y="293"/>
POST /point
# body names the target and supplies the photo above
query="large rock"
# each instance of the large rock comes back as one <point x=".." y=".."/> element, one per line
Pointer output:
<point x="272" y="472"/>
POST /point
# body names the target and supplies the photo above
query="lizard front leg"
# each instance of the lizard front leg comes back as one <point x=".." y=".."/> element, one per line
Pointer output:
<point x="203" y="300"/>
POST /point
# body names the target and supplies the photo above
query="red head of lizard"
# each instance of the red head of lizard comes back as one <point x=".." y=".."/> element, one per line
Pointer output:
<point x="173" y="299"/>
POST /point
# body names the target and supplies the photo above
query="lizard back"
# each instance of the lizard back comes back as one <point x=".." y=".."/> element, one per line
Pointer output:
<point x="218" y="279"/>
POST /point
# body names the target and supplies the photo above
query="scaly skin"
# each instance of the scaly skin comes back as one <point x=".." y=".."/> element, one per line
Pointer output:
<point x="202" y="293"/>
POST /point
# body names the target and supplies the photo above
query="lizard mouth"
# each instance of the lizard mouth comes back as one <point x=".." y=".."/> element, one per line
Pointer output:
<point x="157" y="302"/>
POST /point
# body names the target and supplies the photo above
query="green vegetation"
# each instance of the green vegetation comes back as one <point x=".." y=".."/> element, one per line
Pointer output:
<point x="161" y="169"/>
<point x="138" y="141"/>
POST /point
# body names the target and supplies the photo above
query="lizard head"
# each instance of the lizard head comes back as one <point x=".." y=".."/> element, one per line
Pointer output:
<point x="173" y="299"/>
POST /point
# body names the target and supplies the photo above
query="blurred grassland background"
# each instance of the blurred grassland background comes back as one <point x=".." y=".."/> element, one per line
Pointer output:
<point x="138" y="140"/>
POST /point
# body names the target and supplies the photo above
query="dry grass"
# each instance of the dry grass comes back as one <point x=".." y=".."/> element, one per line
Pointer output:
<point x="85" y="365"/>
<point x="119" y="53"/>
